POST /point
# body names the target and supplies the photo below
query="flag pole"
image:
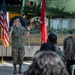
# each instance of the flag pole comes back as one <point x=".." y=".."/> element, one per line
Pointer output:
<point x="2" y="52"/>
<point x="29" y="42"/>
<point x="7" y="13"/>
<point x="2" y="60"/>
<point x="23" y="2"/>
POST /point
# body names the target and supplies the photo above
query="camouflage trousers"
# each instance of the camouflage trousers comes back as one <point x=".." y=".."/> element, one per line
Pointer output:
<point x="18" y="53"/>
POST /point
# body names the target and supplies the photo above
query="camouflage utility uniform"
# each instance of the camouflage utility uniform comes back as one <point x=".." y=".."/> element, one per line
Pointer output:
<point x="17" y="45"/>
<point x="60" y="53"/>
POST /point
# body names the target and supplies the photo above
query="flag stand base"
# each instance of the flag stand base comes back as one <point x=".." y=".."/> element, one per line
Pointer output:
<point x="2" y="61"/>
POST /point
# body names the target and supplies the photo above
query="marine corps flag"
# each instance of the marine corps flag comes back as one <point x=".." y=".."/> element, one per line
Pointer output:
<point x="43" y="27"/>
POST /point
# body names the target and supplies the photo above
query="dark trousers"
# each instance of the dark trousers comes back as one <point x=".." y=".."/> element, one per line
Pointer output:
<point x="68" y="65"/>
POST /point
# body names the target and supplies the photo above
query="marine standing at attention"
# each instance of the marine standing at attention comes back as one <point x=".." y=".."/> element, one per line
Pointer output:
<point x="17" y="33"/>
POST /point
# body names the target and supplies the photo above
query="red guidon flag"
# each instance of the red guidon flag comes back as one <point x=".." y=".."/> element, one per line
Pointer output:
<point x="4" y="24"/>
<point x="43" y="27"/>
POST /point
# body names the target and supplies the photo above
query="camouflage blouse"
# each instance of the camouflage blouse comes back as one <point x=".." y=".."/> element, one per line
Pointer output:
<point x="17" y="35"/>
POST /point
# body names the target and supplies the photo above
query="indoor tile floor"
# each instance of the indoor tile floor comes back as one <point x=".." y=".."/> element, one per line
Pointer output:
<point x="6" y="68"/>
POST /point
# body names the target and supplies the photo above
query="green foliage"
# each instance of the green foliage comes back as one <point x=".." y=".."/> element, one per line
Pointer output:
<point x="35" y="30"/>
<point x="58" y="8"/>
<point x="67" y="6"/>
<point x="62" y="31"/>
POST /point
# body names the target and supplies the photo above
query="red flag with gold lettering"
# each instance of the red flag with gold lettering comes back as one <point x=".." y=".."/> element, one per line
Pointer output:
<point x="43" y="27"/>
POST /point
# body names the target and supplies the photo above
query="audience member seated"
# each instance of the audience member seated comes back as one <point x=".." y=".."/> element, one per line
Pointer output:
<point x="69" y="49"/>
<point x="46" y="47"/>
<point x="52" y="38"/>
<point x="46" y="63"/>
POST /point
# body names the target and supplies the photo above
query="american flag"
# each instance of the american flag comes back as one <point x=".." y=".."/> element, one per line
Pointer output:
<point x="4" y="24"/>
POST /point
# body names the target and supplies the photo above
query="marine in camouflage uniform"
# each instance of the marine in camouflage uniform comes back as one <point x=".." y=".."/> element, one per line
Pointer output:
<point x="60" y="53"/>
<point x="17" y="33"/>
<point x="52" y="38"/>
<point x="17" y="45"/>
<point x="18" y="51"/>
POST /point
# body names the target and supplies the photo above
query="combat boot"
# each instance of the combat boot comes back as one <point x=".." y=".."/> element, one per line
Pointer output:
<point x="20" y="69"/>
<point x="15" y="70"/>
